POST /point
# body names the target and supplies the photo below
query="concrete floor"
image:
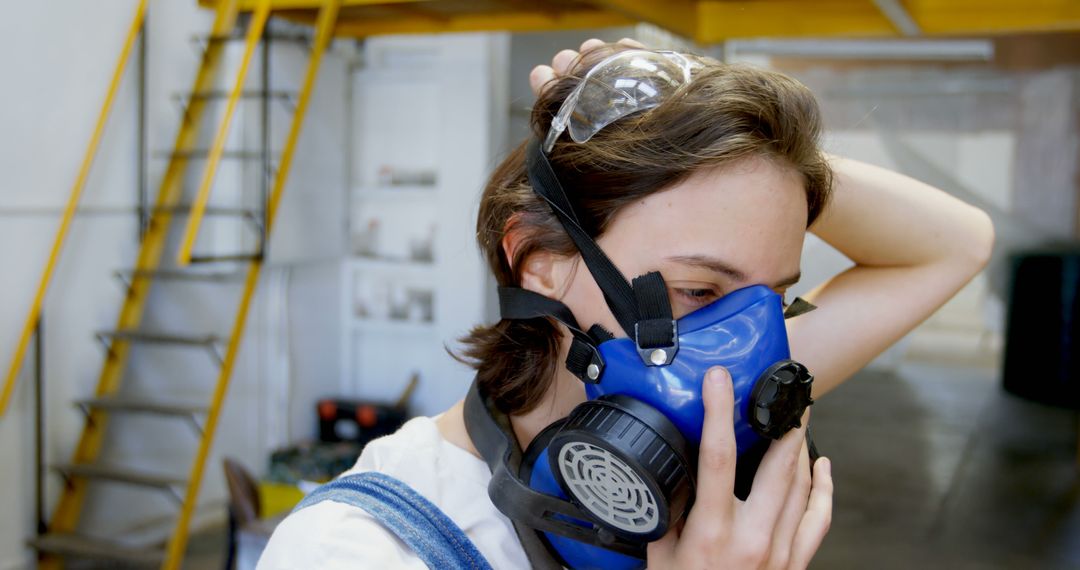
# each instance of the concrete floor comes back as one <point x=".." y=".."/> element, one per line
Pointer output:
<point x="935" y="467"/>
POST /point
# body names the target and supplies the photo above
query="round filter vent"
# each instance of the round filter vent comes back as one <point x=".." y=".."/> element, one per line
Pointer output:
<point x="608" y="488"/>
<point x="625" y="464"/>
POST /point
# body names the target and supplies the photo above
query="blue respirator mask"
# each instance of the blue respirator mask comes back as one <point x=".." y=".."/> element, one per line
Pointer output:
<point x="593" y="489"/>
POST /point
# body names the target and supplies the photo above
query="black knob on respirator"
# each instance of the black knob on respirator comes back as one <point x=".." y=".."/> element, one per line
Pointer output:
<point x="779" y="398"/>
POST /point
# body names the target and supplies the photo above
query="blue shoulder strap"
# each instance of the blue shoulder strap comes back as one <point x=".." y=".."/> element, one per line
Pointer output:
<point x="436" y="539"/>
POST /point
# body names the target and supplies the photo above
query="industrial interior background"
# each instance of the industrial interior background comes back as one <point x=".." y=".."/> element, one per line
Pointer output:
<point x="370" y="269"/>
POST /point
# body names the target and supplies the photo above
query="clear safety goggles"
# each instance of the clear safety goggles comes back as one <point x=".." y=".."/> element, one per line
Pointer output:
<point x="622" y="84"/>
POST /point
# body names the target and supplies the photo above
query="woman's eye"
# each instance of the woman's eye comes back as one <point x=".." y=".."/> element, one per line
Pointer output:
<point x="697" y="297"/>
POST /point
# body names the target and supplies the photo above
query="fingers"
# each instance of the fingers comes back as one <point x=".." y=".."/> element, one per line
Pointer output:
<point x="792" y="513"/>
<point x="542" y="75"/>
<point x="591" y="44"/>
<point x="562" y="63"/>
<point x="663" y="549"/>
<point x="716" y="459"/>
<point x="782" y="523"/>
<point x="594" y="50"/>
<point x="815" y="523"/>
<point x="539" y="78"/>
<point x="774" y="479"/>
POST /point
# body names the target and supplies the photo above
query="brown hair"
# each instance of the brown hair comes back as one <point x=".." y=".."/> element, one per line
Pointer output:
<point x="727" y="113"/>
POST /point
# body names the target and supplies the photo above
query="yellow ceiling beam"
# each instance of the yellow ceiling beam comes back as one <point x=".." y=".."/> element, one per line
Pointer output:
<point x="901" y="19"/>
<point x="525" y="21"/>
<point x="314" y="5"/>
<point x="704" y="21"/>
<point x="994" y="16"/>
<point x="991" y="5"/>
<point x="676" y="16"/>
<point x="721" y="20"/>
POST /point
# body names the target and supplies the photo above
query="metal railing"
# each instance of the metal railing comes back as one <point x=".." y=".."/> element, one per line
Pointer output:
<point x="69" y="211"/>
<point x="324" y="33"/>
<point x="198" y="207"/>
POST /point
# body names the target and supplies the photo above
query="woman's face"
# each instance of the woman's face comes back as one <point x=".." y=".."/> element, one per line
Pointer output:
<point x="719" y="230"/>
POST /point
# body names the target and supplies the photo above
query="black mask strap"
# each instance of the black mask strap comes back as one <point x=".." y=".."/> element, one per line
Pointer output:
<point x="584" y="359"/>
<point x="491" y="433"/>
<point x="518" y="303"/>
<point x="618" y="293"/>
<point x="643" y="310"/>
<point x="657" y="328"/>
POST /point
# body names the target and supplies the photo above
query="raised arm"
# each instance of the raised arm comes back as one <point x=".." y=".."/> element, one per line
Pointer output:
<point x="914" y="247"/>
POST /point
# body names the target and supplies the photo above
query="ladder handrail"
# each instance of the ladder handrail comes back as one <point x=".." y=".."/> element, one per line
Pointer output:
<point x="198" y="207"/>
<point x="324" y="32"/>
<point x="69" y="210"/>
<point x="170" y="187"/>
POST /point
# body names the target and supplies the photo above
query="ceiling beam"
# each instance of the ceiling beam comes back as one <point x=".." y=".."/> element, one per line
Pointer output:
<point x="513" y="21"/>
<point x="713" y="21"/>
<point x="899" y="16"/>
<point x="249" y="5"/>
<point x="994" y="16"/>
<point x="723" y="20"/>
<point x="679" y="17"/>
<point x="877" y="49"/>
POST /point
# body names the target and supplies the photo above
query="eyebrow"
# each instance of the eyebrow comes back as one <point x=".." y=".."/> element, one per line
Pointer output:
<point x="722" y="267"/>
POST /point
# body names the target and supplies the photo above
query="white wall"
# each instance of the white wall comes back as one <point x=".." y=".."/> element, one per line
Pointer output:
<point x="50" y="102"/>
<point x="53" y="91"/>
<point x="421" y="102"/>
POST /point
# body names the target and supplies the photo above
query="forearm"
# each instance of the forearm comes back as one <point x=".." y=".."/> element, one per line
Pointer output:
<point x="879" y="218"/>
<point x="913" y="246"/>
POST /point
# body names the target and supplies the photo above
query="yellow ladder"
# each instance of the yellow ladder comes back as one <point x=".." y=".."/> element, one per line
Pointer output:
<point x="63" y="539"/>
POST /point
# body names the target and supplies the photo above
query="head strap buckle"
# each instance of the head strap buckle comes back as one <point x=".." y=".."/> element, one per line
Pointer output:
<point x="656" y="333"/>
<point x="584" y="361"/>
<point x="657" y="341"/>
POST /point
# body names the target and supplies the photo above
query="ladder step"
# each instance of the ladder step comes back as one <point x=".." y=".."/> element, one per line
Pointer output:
<point x="183" y="209"/>
<point x="202" y="153"/>
<point x="241" y="36"/>
<point x="81" y="546"/>
<point x="132" y="405"/>
<point x="120" y="475"/>
<point x="224" y="257"/>
<point x="181" y="275"/>
<point x="221" y="94"/>
<point x="160" y="338"/>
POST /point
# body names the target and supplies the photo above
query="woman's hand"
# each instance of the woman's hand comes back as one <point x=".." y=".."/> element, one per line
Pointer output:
<point x="541" y="75"/>
<point x="782" y="522"/>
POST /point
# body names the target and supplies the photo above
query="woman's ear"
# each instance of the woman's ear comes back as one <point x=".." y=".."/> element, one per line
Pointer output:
<point x="540" y="271"/>
<point x="512" y="237"/>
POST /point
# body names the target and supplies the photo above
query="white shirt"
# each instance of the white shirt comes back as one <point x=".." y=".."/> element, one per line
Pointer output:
<point x="336" y="535"/>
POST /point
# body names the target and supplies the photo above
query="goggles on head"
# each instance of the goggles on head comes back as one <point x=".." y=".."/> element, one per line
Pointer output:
<point x="594" y="488"/>
<point x="622" y="84"/>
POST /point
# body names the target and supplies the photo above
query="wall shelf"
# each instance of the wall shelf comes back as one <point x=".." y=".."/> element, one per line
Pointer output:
<point x="422" y="144"/>
<point x="366" y="325"/>
<point x="363" y="262"/>
<point x="396" y="192"/>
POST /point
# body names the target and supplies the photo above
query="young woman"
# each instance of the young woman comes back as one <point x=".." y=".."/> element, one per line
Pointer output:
<point x="714" y="189"/>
